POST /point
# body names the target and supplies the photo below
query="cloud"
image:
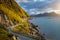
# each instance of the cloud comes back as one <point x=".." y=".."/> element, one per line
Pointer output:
<point x="35" y="0"/>
<point x="42" y="0"/>
<point x="23" y="0"/>
<point x="39" y="0"/>
<point x="26" y="1"/>
<point x="40" y="6"/>
<point x="36" y="11"/>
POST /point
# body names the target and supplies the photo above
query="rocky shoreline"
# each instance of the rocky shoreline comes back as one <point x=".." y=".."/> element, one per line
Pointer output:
<point x="34" y="32"/>
<point x="14" y="21"/>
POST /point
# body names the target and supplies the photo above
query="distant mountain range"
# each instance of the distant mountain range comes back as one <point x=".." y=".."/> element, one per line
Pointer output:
<point x="51" y="14"/>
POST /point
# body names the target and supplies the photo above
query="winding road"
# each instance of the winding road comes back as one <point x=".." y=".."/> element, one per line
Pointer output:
<point x="18" y="35"/>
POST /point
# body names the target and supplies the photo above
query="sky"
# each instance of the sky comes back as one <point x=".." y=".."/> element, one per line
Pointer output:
<point x="40" y="6"/>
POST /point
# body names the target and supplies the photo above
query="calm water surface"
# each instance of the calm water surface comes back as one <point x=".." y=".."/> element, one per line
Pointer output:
<point x="48" y="25"/>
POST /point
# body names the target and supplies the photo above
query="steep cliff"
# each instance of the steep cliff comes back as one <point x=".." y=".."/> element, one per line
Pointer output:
<point x="14" y="18"/>
<point x="11" y="14"/>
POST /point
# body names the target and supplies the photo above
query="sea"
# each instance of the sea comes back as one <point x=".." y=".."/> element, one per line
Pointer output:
<point x="50" y="26"/>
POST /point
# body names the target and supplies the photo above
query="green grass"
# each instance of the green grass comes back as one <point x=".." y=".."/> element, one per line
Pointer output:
<point x="16" y="14"/>
<point x="4" y="35"/>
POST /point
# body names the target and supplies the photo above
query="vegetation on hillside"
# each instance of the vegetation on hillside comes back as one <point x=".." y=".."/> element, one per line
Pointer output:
<point x="11" y="14"/>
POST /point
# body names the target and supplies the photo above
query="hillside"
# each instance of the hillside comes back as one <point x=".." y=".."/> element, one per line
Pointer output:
<point x="14" y="19"/>
<point x="11" y="14"/>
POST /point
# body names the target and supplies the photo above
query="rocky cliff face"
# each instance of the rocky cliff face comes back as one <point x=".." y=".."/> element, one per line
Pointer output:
<point x="10" y="14"/>
<point x="13" y="16"/>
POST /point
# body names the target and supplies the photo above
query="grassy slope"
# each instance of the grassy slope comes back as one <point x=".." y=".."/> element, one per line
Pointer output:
<point x="15" y="13"/>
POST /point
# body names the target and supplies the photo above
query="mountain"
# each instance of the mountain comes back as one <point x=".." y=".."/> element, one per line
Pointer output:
<point x="14" y="20"/>
<point x="11" y="14"/>
<point x="51" y="14"/>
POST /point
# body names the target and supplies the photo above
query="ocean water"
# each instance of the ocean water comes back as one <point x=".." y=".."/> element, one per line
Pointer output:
<point x="50" y="26"/>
